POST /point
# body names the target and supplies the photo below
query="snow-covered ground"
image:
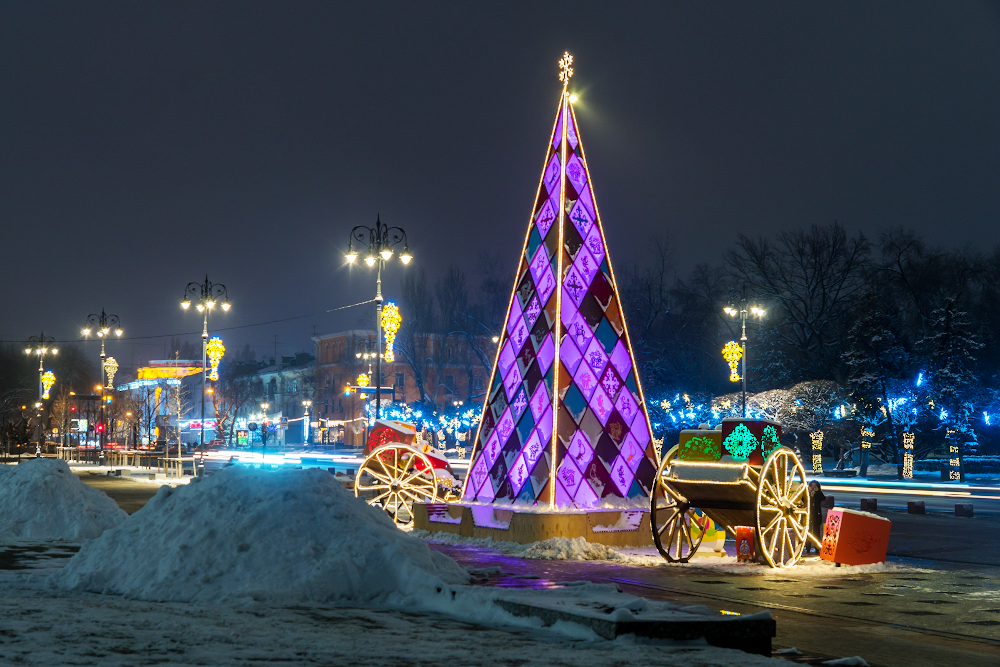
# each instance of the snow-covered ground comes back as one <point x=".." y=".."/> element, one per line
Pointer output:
<point x="250" y="567"/>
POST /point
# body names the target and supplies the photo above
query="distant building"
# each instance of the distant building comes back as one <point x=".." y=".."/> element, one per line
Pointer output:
<point x="450" y="368"/>
<point x="284" y="384"/>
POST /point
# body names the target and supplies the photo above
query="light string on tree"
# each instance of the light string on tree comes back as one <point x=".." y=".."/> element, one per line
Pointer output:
<point x="817" y="451"/>
<point x="908" y="439"/>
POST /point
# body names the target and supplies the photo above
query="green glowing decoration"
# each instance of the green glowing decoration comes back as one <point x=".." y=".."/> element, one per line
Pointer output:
<point x="700" y="448"/>
<point x="769" y="441"/>
<point x="741" y="443"/>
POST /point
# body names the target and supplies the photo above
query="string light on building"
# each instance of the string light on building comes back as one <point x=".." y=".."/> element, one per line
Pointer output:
<point x="215" y="351"/>
<point x="817" y="451"/>
<point x="48" y="379"/>
<point x="391" y="319"/>
<point x="110" y="368"/>
<point x="732" y="353"/>
<point x="908" y="439"/>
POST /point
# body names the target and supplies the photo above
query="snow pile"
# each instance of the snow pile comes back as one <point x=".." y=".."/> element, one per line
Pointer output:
<point x="554" y="548"/>
<point x="563" y="548"/>
<point x="285" y="536"/>
<point x="41" y="499"/>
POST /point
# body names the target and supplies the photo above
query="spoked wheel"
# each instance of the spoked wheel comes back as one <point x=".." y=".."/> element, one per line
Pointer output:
<point x="782" y="508"/>
<point x="677" y="529"/>
<point x="394" y="476"/>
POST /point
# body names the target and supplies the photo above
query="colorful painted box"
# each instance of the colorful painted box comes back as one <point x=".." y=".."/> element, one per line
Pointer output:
<point x="750" y="440"/>
<point x="746" y="541"/>
<point x="699" y="445"/>
<point x="851" y="537"/>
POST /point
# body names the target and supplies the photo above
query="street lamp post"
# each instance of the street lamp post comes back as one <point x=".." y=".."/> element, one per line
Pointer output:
<point x="39" y="345"/>
<point x="379" y="242"/>
<point x="101" y="325"/>
<point x="741" y="307"/>
<point x="306" y="404"/>
<point x="207" y="295"/>
<point x="263" y="431"/>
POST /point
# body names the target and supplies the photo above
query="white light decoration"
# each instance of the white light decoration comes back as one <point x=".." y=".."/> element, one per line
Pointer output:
<point x="908" y="439"/>
<point x="817" y="451"/>
<point x="110" y="368"/>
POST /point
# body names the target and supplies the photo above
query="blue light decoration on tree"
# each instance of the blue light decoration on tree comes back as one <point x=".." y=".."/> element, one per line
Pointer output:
<point x="740" y="443"/>
<point x="564" y="421"/>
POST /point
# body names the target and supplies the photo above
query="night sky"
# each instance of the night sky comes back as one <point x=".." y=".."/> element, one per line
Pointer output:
<point x="144" y="145"/>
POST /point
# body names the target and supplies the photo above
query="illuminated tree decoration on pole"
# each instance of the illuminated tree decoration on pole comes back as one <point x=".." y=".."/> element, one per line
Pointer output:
<point x="391" y="319"/>
<point x="110" y="368"/>
<point x="817" y="451"/>
<point x="363" y="380"/>
<point x="48" y="379"/>
<point x="908" y="439"/>
<point x="732" y="353"/>
<point x="215" y="351"/>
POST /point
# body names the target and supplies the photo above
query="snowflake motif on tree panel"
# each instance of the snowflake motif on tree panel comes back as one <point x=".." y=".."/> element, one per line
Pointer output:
<point x="546" y="216"/>
<point x="518" y="405"/>
<point x="610" y="381"/>
<point x="770" y="440"/>
<point x="574" y="286"/>
<point x="595" y="245"/>
<point x="741" y="443"/>
<point x="581" y="218"/>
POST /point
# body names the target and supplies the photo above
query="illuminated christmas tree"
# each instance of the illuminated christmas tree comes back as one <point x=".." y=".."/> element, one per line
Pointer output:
<point x="564" y="329"/>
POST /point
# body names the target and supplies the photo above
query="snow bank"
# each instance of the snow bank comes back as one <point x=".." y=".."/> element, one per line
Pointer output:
<point x="554" y="548"/>
<point x="41" y="499"/>
<point x="285" y="536"/>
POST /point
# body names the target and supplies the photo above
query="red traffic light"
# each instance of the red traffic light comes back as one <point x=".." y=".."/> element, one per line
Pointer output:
<point x="100" y="428"/>
<point x="72" y="408"/>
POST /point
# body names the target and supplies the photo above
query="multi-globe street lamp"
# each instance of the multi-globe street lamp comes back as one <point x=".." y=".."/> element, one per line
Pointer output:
<point x="740" y="306"/>
<point x="207" y="295"/>
<point x="379" y="243"/>
<point x="39" y="345"/>
<point x="102" y="326"/>
<point x="306" y="404"/>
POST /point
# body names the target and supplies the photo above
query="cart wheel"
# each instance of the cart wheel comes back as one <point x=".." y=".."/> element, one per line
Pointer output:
<point x="677" y="529"/>
<point x="782" y="508"/>
<point x="398" y="475"/>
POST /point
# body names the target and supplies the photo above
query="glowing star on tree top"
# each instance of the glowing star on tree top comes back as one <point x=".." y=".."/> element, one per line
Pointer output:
<point x="564" y="422"/>
<point x="215" y="351"/>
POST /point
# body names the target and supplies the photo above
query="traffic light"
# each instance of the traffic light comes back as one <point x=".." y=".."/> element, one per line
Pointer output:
<point x="100" y="428"/>
<point x="72" y="408"/>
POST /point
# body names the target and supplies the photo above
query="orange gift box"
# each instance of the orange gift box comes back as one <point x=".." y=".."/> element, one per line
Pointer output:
<point x="851" y="537"/>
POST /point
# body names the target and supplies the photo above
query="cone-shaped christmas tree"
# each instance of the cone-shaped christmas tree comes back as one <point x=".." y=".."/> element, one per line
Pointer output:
<point x="589" y="441"/>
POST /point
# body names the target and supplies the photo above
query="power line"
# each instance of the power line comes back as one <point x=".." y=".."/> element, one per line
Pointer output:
<point x="198" y="333"/>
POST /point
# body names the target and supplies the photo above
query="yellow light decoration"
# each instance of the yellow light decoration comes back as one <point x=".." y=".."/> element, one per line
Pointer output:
<point x="391" y="319"/>
<point x="110" y="368"/>
<point x="363" y="380"/>
<point x="48" y="379"/>
<point x="817" y="451"/>
<point x="732" y="353"/>
<point x="908" y="439"/>
<point x="866" y="438"/>
<point x="215" y="351"/>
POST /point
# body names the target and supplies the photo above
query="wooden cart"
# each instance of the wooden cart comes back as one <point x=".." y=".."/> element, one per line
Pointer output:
<point x="734" y="483"/>
<point x="399" y="470"/>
